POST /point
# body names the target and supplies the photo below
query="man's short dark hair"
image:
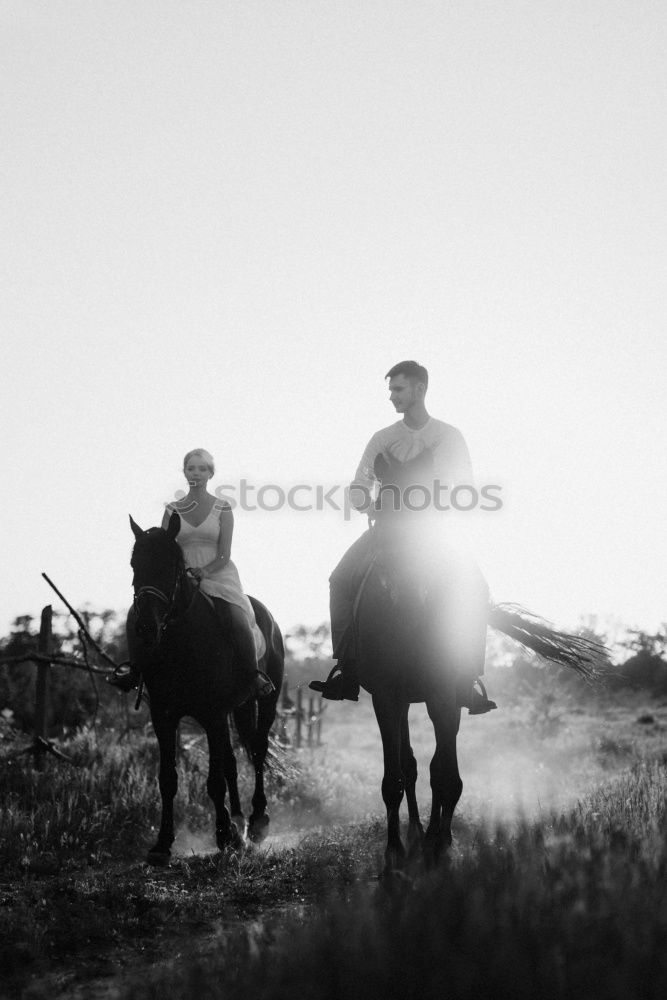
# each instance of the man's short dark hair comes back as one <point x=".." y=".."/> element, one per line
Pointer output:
<point x="412" y="371"/>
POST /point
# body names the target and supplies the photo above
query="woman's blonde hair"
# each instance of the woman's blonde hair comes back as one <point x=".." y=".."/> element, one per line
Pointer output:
<point x="202" y="453"/>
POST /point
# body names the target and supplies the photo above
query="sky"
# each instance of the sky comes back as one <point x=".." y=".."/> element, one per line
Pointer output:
<point x="223" y="222"/>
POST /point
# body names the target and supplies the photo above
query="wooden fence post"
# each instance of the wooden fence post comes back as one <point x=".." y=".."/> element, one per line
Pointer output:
<point x="311" y="709"/>
<point x="44" y="647"/>
<point x="299" y="716"/>
<point x="319" y="721"/>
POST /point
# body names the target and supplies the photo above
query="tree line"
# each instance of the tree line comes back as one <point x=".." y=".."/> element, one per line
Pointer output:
<point x="76" y="697"/>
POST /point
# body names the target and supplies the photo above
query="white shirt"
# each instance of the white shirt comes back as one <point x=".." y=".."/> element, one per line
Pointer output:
<point x="450" y="453"/>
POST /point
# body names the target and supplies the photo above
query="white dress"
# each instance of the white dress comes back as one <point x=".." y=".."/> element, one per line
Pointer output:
<point x="200" y="547"/>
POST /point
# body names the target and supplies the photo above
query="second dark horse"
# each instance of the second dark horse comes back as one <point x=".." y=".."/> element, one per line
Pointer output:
<point x="411" y="626"/>
<point x="186" y="662"/>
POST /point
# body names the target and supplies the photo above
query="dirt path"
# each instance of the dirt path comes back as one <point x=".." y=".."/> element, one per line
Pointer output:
<point x="94" y="925"/>
<point x="110" y="923"/>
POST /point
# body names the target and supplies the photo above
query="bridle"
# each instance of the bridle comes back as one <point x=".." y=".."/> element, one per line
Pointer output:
<point x="169" y="602"/>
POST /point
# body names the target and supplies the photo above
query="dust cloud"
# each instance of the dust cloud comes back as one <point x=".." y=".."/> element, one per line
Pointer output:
<point x="518" y="763"/>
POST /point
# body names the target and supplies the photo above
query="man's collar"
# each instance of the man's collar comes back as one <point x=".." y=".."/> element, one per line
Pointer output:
<point x="421" y="426"/>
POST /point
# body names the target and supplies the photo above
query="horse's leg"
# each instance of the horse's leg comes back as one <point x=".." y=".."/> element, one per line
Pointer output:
<point x="231" y="776"/>
<point x="409" y="769"/>
<point x="254" y="719"/>
<point x="446" y="784"/>
<point x="226" y="833"/>
<point x="258" y="824"/>
<point x="165" y="731"/>
<point x="389" y="713"/>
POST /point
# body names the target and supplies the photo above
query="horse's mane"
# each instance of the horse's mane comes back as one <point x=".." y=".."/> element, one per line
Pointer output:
<point x="390" y="471"/>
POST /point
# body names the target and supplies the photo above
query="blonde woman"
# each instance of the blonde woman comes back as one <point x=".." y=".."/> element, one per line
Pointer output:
<point x="205" y="537"/>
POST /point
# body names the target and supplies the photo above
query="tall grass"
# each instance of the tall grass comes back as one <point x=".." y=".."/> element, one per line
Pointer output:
<point x="108" y="804"/>
<point x="572" y="907"/>
<point x="572" y="904"/>
<point x="108" y="800"/>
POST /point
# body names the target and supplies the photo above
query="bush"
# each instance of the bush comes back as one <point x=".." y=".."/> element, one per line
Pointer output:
<point x="74" y="696"/>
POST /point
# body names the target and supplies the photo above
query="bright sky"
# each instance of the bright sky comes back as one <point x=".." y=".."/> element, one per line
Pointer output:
<point x="224" y="221"/>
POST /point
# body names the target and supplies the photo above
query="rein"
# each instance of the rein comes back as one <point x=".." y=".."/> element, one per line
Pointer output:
<point x="170" y="613"/>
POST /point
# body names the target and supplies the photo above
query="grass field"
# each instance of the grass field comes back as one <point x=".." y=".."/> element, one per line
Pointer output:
<point x="555" y="886"/>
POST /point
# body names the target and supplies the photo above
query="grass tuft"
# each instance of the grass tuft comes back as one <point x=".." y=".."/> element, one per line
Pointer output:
<point x="576" y="907"/>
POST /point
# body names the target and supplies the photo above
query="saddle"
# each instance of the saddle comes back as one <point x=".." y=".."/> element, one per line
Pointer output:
<point x="410" y="578"/>
<point x="419" y="577"/>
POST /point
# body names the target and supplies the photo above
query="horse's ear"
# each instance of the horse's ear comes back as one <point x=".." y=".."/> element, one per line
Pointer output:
<point x="135" y="528"/>
<point x="174" y="525"/>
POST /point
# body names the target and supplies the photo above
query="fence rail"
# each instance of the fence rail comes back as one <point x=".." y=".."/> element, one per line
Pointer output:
<point x="298" y="719"/>
<point x="42" y="658"/>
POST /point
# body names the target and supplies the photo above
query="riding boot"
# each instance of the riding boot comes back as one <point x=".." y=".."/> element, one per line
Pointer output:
<point x="342" y="684"/>
<point x="260" y="684"/>
<point x="343" y="680"/>
<point x="466" y="602"/>
<point x="125" y="677"/>
<point x="344" y="582"/>
<point x="468" y="697"/>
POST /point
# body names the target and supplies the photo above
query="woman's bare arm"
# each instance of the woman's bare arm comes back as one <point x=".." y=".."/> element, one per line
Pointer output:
<point x="224" y="543"/>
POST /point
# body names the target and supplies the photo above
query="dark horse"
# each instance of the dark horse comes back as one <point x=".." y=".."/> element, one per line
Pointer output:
<point x="185" y="659"/>
<point x="412" y="628"/>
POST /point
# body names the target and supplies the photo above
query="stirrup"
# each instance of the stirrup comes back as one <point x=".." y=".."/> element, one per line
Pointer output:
<point x="337" y="686"/>
<point x="124" y="680"/>
<point x="263" y="686"/>
<point x="480" y="703"/>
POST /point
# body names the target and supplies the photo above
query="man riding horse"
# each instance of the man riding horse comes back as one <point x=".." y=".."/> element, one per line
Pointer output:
<point x="414" y="461"/>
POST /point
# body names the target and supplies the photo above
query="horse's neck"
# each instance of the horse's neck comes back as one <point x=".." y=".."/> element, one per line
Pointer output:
<point x="186" y="594"/>
<point x="403" y="549"/>
<point x="403" y="472"/>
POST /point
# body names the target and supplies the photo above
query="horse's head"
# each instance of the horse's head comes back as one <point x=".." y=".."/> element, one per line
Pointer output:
<point x="159" y="573"/>
<point x="407" y="542"/>
<point x="403" y="484"/>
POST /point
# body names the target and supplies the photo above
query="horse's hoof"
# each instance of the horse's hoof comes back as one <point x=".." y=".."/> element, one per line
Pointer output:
<point x="436" y="849"/>
<point x="224" y="839"/>
<point x="240" y="825"/>
<point x="415" y="841"/>
<point x="395" y="882"/>
<point x="158" y="858"/>
<point x="258" y="828"/>
<point x="394" y="862"/>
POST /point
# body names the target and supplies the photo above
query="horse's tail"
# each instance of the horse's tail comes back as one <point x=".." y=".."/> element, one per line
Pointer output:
<point x="245" y="724"/>
<point x="245" y="719"/>
<point x="587" y="656"/>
